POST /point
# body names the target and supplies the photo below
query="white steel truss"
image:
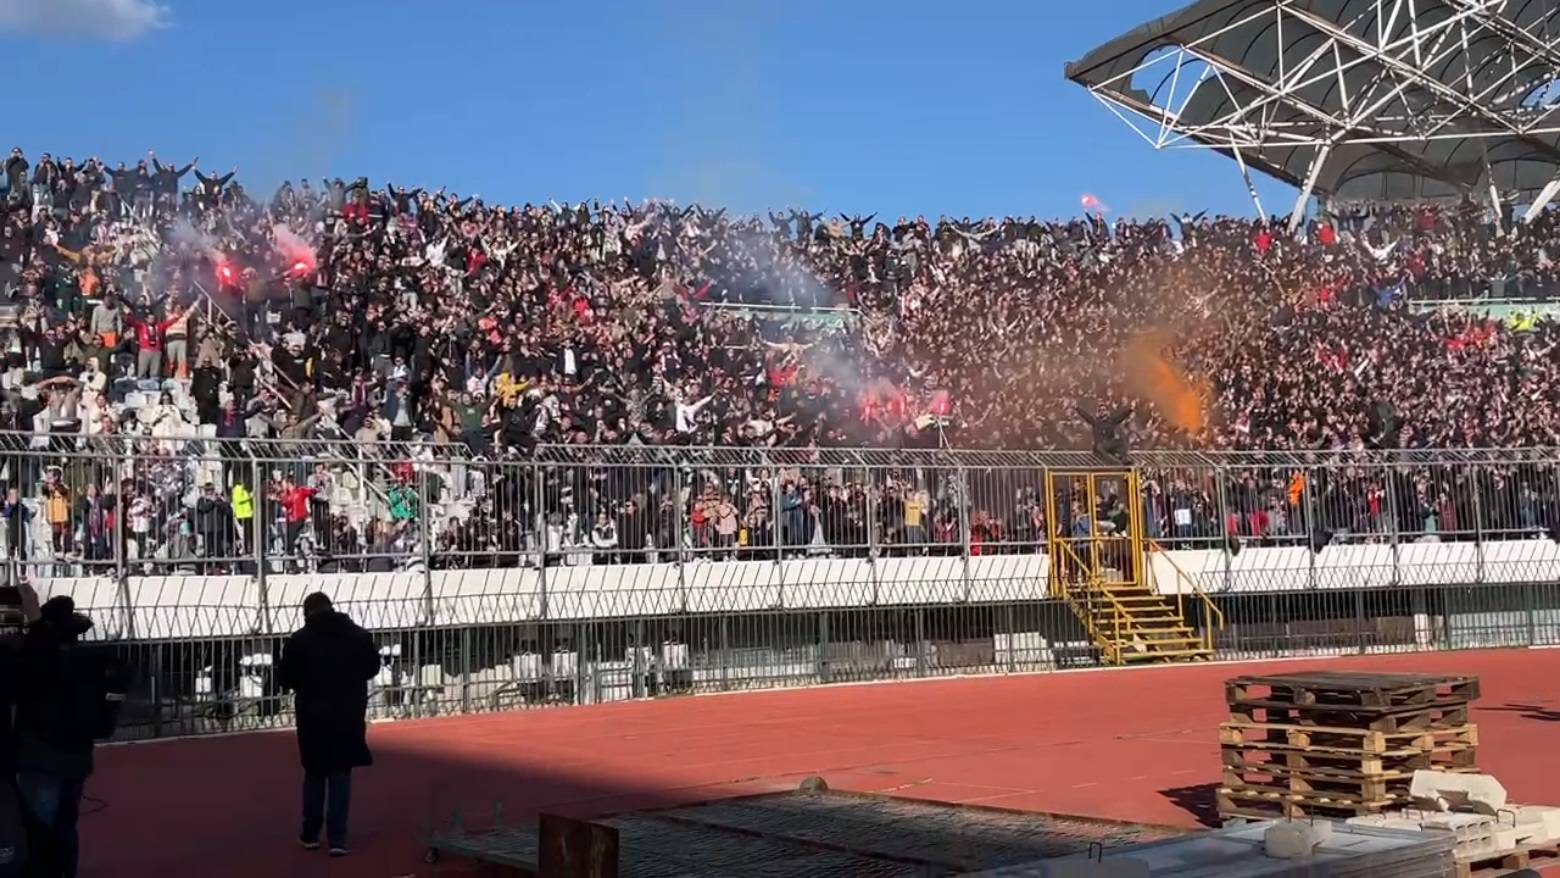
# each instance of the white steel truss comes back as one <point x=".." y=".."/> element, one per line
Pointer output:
<point x="1453" y="91"/>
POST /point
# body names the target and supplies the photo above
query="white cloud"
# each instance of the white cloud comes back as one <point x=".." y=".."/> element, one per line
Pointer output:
<point x="93" y="19"/>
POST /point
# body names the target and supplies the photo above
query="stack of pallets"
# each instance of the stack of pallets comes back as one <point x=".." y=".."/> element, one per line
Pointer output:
<point x="1339" y="744"/>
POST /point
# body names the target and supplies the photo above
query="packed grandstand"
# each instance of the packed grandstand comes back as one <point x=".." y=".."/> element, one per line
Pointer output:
<point x="341" y="310"/>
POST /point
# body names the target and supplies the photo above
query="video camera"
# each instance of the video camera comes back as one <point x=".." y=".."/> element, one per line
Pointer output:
<point x="104" y="683"/>
<point x="13" y="618"/>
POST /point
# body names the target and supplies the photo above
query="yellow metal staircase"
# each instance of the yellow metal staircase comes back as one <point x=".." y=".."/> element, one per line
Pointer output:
<point x="1099" y="567"/>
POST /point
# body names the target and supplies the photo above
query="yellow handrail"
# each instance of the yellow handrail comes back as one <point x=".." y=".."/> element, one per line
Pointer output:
<point x="1121" y="617"/>
<point x="1211" y="612"/>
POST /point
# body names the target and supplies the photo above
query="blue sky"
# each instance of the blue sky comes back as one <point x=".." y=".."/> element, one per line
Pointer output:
<point x="902" y="107"/>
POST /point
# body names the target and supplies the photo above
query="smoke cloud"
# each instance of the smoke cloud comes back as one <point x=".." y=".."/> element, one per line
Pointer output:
<point x="1148" y="375"/>
<point x="184" y="234"/>
<point x="294" y="249"/>
<point x="119" y="20"/>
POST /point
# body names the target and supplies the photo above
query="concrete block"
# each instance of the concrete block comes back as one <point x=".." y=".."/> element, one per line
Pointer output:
<point x="1294" y="841"/>
<point x="1441" y="791"/>
<point x="1459" y="822"/>
<point x="1537" y="823"/>
<point x="1474" y="834"/>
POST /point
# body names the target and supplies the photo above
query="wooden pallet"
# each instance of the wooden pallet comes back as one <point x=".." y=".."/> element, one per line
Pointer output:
<point x="1536" y="856"/>
<point x="1406" y="718"/>
<point x="1350" y="690"/>
<point x="1451" y="757"/>
<point x="1370" y="740"/>
<point x="1360" y="789"/>
<point x="1250" y="804"/>
<point x="1390" y="786"/>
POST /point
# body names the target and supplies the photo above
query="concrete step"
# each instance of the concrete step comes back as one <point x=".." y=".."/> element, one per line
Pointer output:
<point x="1168" y="655"/>
<point x="1155" y="618"/>
<point x="1129" y="598"/>
<point x="1170" y="644"/>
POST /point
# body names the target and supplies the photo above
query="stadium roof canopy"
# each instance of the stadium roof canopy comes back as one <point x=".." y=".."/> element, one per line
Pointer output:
<point x="1355" y="99"/>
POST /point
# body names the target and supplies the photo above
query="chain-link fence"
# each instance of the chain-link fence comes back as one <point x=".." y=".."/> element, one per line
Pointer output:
<point x="589" y="574"/>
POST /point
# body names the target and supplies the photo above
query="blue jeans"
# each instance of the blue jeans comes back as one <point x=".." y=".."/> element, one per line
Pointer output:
<point x="55" y="802"/>
<point x="326" y="798"/>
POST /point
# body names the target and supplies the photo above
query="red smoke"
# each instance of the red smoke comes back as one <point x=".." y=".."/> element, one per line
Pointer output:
<point x="884" y="402"/>
<point x="295" y="251"/>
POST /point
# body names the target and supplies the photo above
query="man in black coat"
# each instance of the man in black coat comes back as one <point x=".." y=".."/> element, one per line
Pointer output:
<point x="60" y="712"/>
<point x="328" y="663"/>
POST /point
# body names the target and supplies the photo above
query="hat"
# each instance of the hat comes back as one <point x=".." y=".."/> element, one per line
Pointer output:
<point x="60" y="612"/>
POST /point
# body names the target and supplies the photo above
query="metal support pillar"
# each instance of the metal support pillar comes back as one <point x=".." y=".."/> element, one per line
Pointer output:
<point x="1221" y="485"/>
<point x="582" y="642"/>
<point x="637" y="688"/>
<point x="873" y="537"/>
<point x="259" y="534"/>
<point x="1251" y="189"/>
<point x="1395" y="520"/>
<point x="920" y="642"/>
<point x="121" y="569"/>
<point x="1481" y="576"/>
<point x="539" y="517"/>
<point x="1496" y="209"/>
<point x="824" y="672"/>
<point x="424" y="627"/>
<point x="465" y="669"/>
<point x="677" y="538"/>
<point x="962" y="485"/>
<point x="425" y="544"/>
<point x="1312" y="522"/>
<point x="725" y="654"/>
<point x="1545" y="195"/>
<point x="1298" y="214"/>
<point x="777" y="515"/>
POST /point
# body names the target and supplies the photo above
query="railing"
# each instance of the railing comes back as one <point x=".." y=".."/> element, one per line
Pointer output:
<point x="483" y="584"/>
<point x="271" y="380"/>
<point x="1120" y="629"/>
<point x="1212" y="616"/>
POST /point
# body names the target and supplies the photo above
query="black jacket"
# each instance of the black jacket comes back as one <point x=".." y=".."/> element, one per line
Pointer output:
<point x="328" y="663"/>
<point x="55" y="725"/>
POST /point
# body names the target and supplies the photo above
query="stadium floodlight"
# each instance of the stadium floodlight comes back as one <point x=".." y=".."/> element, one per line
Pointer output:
<point x="1349" y="99"/>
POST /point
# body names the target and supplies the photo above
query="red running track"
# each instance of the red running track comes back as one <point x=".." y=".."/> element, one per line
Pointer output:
<point x="1136" y="744"/>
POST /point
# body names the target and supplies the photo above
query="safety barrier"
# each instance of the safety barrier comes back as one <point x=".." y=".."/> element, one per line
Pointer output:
<point x="495" y="582"/>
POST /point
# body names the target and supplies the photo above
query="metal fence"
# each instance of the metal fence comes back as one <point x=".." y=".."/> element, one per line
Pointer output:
<point x="575" y="574"/>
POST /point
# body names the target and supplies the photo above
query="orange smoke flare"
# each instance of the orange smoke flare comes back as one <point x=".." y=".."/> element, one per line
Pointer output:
<point x="1151" y="377"/>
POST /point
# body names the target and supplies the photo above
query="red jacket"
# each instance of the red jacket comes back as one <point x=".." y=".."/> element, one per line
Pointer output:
<point x="149" y="336"/>
<point x="295" y="503"/>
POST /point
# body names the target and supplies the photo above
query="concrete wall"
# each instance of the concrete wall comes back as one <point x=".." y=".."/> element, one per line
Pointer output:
<point x="160" y="607"/>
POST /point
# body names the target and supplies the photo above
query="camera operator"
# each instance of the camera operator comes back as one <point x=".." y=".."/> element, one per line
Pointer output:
<point x="18" y="609"/>
<point x="67" y="697"/>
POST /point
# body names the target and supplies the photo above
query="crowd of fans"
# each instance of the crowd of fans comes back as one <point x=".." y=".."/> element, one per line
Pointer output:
<point x="164" y="301"/>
